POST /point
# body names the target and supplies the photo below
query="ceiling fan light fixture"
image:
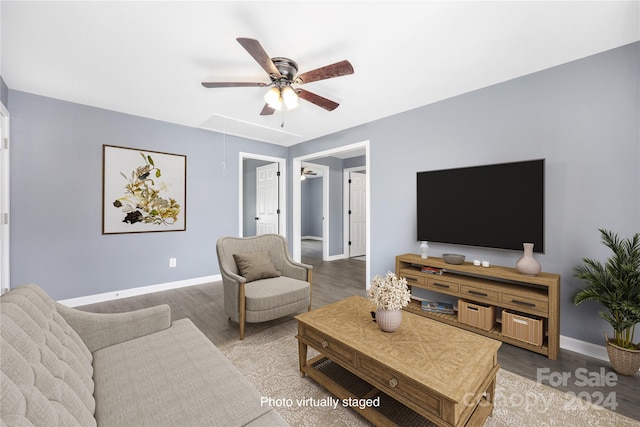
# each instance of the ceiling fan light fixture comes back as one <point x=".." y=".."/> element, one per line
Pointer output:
<point x="290" y="97"/>
<point x="273" y="98"/>
<point x="283" y="72"/>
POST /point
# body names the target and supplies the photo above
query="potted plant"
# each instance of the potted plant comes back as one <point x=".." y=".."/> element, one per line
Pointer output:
<point x="616" y="285"/>
<point x="389" y="294"/>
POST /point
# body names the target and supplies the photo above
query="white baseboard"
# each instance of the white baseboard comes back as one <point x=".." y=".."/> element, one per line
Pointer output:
<point x="312" y="238"/>
<point x="335" y="257"/>
<point x="108" y="296"/>
<point x="567" y="343"/>
<point x="583" y="347"/>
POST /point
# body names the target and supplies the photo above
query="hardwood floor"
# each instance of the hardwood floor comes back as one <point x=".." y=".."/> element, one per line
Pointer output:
<point x="336" y="280"/>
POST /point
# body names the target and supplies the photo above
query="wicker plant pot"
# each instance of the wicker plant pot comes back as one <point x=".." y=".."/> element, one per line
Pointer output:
<point x="623" y="361"/>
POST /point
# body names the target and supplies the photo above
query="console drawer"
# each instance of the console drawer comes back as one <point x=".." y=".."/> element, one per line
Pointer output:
<point x="540" y="305"/>
<point x="328" y="346"/>
<point x="413" y="277"/>
<point x="472" y="292"/>
<point x="440" y="284"/>
<point x="407" y="388"/>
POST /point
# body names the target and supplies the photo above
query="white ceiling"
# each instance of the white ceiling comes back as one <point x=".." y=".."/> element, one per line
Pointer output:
<point x="148" y="58"/>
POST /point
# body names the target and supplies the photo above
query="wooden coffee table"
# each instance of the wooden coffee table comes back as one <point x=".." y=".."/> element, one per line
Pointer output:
<point x="431" y="369"/>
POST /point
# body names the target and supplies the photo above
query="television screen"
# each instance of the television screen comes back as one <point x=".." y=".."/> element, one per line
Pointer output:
<point x="494" y="206"/>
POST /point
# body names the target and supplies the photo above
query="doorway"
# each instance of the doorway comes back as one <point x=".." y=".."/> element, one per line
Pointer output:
<point x="248" y="185"/>
<point x="359" y="148"/>
<point x="314" y="208"/>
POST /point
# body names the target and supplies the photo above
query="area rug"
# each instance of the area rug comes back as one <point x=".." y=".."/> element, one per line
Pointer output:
<point x="269" y="359"/>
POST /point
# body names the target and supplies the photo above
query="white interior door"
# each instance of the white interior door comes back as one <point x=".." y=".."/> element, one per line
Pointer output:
<point x="357" y="214"/>
<point x="267" y="207"/>
<point x="4" y="199"/>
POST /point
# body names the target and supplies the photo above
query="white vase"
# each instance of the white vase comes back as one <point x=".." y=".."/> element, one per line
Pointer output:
<point x="527" y="265"/>
<point x="424" y="250"/>
<point x="388" y="320"/>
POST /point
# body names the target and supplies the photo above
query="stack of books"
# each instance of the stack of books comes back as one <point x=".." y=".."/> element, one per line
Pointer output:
<point x="431" y="270"/>
<point x="438" y="307"/>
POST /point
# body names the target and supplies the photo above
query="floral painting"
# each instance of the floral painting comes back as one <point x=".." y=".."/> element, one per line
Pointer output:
<point x="143" y="191"/>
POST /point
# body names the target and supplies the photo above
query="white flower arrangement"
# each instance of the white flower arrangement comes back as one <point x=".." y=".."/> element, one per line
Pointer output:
<point x="389" y="292"/>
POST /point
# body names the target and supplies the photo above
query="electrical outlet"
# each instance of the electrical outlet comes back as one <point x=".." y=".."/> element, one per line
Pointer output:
<point x="172" y="262"/>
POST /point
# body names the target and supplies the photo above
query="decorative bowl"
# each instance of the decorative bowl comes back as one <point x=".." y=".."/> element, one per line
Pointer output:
<point x="456" y="259"/>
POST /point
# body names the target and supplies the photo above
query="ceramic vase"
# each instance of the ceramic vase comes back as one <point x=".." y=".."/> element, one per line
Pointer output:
<point x="388" y="320"/>
<point x="424" y="250"/>
<point x="527" y="264"/>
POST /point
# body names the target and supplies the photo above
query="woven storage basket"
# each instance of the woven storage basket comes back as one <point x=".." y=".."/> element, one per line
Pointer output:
<point x="523" y="327"/>
<point x="624" y="361"/>
<point x="478" y="315"/>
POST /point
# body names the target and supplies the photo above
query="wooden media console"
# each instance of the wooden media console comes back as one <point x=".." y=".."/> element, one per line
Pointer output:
<point x="501" y="287"/>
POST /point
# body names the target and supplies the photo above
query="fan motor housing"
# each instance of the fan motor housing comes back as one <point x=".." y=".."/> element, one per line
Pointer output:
<point x="287" y="67"/>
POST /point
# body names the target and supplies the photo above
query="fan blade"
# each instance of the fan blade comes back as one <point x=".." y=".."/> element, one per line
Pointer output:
<point x="232" y="84"/>
<point x="338" y="69"/>
<point x="320" y="101"/>
<point x="258" y="53"/>
<point x="266" y="110"/>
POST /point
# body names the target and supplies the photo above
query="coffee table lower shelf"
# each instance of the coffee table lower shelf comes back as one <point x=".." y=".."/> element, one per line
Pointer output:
<point x="361" y="396"/>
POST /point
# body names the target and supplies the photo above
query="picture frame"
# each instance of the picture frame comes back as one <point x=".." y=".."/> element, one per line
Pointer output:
<point x="143" y="191"/>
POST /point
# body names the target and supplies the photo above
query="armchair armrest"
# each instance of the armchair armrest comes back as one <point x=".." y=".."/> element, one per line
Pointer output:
<point x="299" y="264"/>
<point x="100" y="330"/>
<point x="233" y="277"/>
<point x="297" y="270"/>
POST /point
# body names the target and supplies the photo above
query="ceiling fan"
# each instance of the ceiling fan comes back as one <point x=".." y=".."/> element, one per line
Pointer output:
<point x="283" y="74"/>
<point x="305" y="171"/>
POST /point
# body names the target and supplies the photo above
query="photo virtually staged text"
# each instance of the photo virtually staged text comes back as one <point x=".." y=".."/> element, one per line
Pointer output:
<point x="325" y="402"/>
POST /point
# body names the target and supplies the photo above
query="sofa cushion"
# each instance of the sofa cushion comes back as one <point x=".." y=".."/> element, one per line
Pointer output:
<point x="256" y="266"/>
<point x="275" y="292"/>
<point x="144" y="382"/>
<point x="46" y="376"/>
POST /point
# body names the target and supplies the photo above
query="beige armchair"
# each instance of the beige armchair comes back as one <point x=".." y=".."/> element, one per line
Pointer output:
<point x="261" y="281"/>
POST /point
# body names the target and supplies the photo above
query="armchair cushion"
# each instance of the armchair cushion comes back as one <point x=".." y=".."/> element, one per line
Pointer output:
<point x="275" y="292"/>
<point x="255" y="266"/>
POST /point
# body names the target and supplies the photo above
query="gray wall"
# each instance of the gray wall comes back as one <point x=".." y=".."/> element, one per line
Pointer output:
<point x="4" y="92"/>
<point x="583" y="117"/>
<point x="336" y="202"/>
<point x="311" y="207"/>
<point x="56" y="199"/>
<point x="355" y="162"/>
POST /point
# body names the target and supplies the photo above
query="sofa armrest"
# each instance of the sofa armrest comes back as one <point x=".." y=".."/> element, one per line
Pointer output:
<point x="100" y="330"/>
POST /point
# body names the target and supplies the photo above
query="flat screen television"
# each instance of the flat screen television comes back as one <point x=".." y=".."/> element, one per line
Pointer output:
<point x="494" y="206"/>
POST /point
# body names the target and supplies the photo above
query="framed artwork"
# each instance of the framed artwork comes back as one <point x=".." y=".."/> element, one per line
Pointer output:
<point x="143" y="191"/>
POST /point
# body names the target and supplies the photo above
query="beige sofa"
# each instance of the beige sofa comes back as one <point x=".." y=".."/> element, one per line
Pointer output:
<point x="65" y="367"/>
